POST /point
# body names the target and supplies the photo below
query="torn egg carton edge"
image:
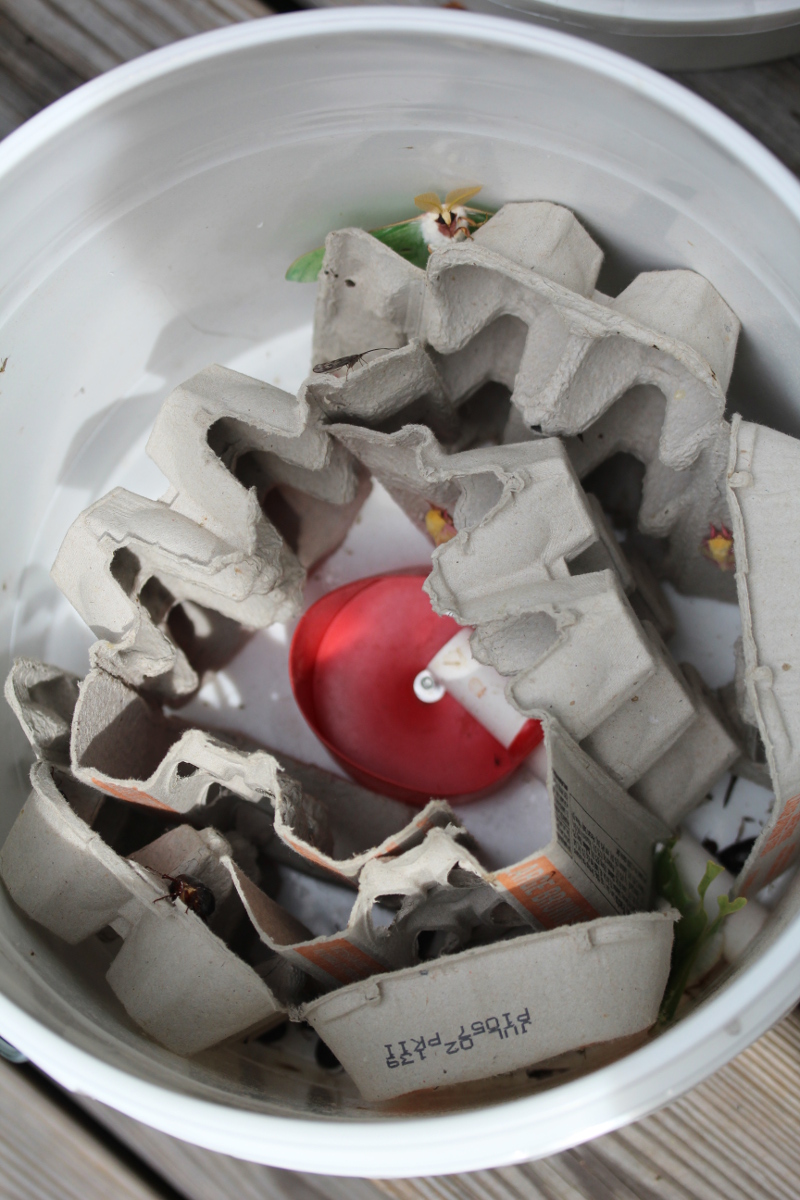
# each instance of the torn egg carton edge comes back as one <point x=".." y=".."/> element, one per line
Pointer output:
<point x="500" y="1007"/>
<point x="516" y="303"/>
<point x="764" y="496"/>
<point x="542" y="894"/>
<point x="172" y="974"/>
<point x="207" y="541"/>
<point x="505" y="584"/>
<point x="321" y="819"/>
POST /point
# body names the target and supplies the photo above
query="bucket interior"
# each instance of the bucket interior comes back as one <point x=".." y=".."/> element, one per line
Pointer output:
<point x="146" y="235"/>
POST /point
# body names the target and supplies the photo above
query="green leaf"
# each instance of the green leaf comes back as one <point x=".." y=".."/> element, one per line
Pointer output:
<point x="693" y="931"/>
<point x="406" y="240"/>
<point x="307" y="267"/>
<point x="404" y="237"/>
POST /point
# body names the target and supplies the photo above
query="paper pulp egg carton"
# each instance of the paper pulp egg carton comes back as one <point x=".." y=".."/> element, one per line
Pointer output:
<point x="226" y="443"/>
<point x="113" y="740"/>
<point x="580" y="976"/>
<point x="422" y="877"/>
<point x="175" y="977"/>
<point x="499" y="1007"/>
<point x="496" y="383"/>
<point x="764" y="496"/>
<point x="535" y="569"/>
<point x="517" y="304"/>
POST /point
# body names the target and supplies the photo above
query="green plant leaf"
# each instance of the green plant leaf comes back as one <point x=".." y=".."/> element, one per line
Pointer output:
<point x="693" y="931"/>
<point x="404" y="237"/>
<point x="307" y="267"/>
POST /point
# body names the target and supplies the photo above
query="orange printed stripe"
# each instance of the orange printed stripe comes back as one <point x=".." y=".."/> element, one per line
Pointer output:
<point x="785" y="826"/>
<point x="779" y="849"/>
<point x="418" y="825"/>
<point x="341" y="959"/>
<point x="547" y="894"/>
<point x="306" y="852"/>
<point x="131" y="794"/>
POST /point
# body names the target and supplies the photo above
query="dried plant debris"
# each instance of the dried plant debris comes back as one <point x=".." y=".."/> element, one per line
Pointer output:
<point x="564" y="452"/>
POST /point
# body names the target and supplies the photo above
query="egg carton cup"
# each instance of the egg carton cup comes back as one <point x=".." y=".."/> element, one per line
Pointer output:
<point x="174" y="976"/>
<point x="500" y="1007"/>
<point x="43" y="698"/>
<point x="682" y="506"/>
<point x="536" y="570"/>
<point x="516" y="304"/>
<point x="207" y="546"/>
<point x="63" y="875"/>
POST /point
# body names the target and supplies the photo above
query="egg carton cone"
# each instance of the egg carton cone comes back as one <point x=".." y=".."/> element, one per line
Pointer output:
<point x="681" y="505"/>
<point x="599" y="861"/>
<point x="498" y="1007"/>
<point x="62" y="874"/>
<point x="738" y="930"/>
<point x="367" y="296"/>
<point x="173" y="975"/>
<point x="43" y="698"/>
<point x="156" y="578"/>
<point x="644" y="373"/>
<point x="683" y="776"/>
<point x="645" y="729"/>
<point x="126" y="563"/>
<point x="763" y="491"/>
<point x="752" y="761"/>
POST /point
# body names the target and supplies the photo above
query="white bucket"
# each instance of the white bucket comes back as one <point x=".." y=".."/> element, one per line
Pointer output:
<point x="146" y="222"/>
<point x="678" y="35"/>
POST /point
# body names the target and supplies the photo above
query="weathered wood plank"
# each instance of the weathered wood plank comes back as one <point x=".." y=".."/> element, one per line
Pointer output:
<point x="49" y="47"/>
<point x="202" y="1175"/>
<point x="45" y="1154"/>
<point x="765" y="99"/>
<point x="733" y="1137"/>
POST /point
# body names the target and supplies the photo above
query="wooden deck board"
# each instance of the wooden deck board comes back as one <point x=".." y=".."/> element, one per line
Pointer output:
<point x="45" y="1154"/>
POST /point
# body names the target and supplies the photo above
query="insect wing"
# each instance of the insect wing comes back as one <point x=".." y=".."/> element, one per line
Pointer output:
<point x="347" y="361"/>
<point x="459" y="196"/>
<point x="428" y="202"/>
